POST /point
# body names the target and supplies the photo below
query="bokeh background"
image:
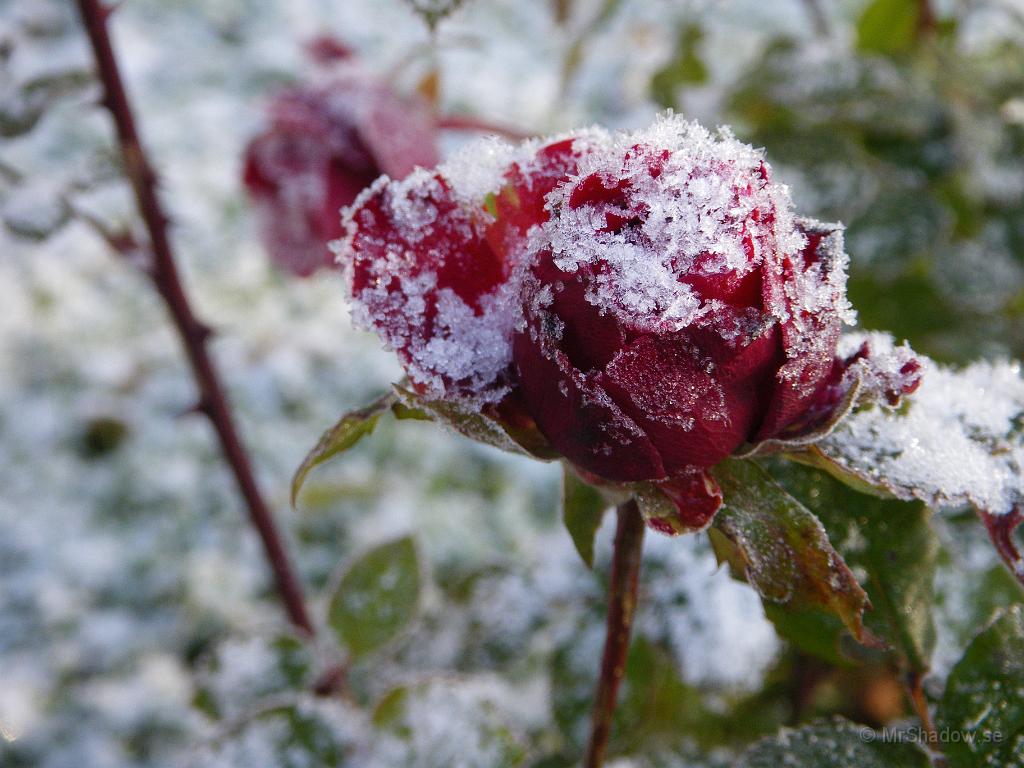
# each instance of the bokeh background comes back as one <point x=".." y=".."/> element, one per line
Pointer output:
<point x="138" y="626"/>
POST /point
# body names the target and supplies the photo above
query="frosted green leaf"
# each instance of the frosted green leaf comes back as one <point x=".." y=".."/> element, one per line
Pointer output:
<point x="583" y="508"/>
<point x="377" y="597"/>
<point x="892" y="542"/>
<point x="777" y="545"/>
<point x="954" y="442"/>
<point x="983" y="705"/>
<point x="350" y="429"/>
<point x="825" y="744"/>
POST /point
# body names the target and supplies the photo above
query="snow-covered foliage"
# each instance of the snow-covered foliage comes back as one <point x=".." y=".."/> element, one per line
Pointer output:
<point x="959" y="440"/>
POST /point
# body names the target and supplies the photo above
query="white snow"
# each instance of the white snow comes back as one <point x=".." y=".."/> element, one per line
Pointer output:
<point x="958" y="440"/>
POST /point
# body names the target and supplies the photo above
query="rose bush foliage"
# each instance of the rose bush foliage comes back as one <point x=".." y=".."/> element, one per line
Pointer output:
<point x="648" y="302"/>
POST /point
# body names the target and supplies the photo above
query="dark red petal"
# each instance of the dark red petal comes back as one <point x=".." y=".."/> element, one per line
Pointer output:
<point x="597" y="189"/>
<point x="730" y="287"/>
<point x="808" y="346"/>
<point x="409" y="243"/>
<point x="389" y="246"/>
<point x="576" y="415"/>
<point x="799" y="381"/>
<point x="286" y="177"/>
<point x="343" y="187"/>
<point x="697" y="498"/>
<point x="692" y="418"/>
<point x="588" y="338"/>
<point x="325" y="144"/>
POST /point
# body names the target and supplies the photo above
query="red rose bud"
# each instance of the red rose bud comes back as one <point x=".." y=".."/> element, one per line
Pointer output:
<point x="674" y="308"/>
<point x="647" y="300"/>
<point x="325" y="143"/>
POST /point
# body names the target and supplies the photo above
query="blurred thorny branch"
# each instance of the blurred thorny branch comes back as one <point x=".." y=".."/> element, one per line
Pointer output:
<point x="160" y="265"/>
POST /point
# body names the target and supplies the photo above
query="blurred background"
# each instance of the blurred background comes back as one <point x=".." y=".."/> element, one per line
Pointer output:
<point x="138" y="625"/>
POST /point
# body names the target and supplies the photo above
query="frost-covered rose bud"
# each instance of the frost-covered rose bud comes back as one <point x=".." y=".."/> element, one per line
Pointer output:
<point x="647" y="301"/>
<point x="674" y="307"/>
<point x="326" y="142"/>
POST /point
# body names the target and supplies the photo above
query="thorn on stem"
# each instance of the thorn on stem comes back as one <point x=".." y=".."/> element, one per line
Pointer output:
<point x="199" y="407"/>
<point x="201" y="332"/>
<point x="106" y="10"/>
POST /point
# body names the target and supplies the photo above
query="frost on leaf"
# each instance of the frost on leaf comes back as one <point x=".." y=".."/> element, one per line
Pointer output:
<point x="984" y="697"/>
<point x="958" y="440"/>
<point x="777" y="545"/>
<point x="835" y="743"/>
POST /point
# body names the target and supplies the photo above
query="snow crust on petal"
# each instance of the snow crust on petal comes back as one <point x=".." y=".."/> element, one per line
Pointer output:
<point x="423" y="278"/>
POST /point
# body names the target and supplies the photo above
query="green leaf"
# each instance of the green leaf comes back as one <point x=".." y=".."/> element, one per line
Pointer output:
<point x="475" y="424"/>
<point x="377" y="597"/>
<point x="776" y="544"/>
<point x="982" y="707"/>
<point x="814" y="632"/>
<point x="888" y="26"/>
<point x="892" y="542"/>
<point x="389" y="711"/>
<point x="350" y="429"/>
<point x="685" y="67"/>
<point x="828" y="744"/>
<point x="583" y="508"/>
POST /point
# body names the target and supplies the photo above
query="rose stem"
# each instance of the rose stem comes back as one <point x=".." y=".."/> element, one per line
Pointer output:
<point x="622" y="598"/>
<point x="467" y="123"/>
<point x="194" y="334"/>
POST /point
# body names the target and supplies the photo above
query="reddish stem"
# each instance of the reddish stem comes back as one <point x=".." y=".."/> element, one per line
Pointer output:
<point x="194" y="334"/>
<point x="1000" y="530"/>
<point x="622" y="599"/>
<point x="466" y="123"/>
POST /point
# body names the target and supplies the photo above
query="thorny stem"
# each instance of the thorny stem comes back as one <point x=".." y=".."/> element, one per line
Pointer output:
<point x="194" y="334"/>
<point x="622" y="599"/>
